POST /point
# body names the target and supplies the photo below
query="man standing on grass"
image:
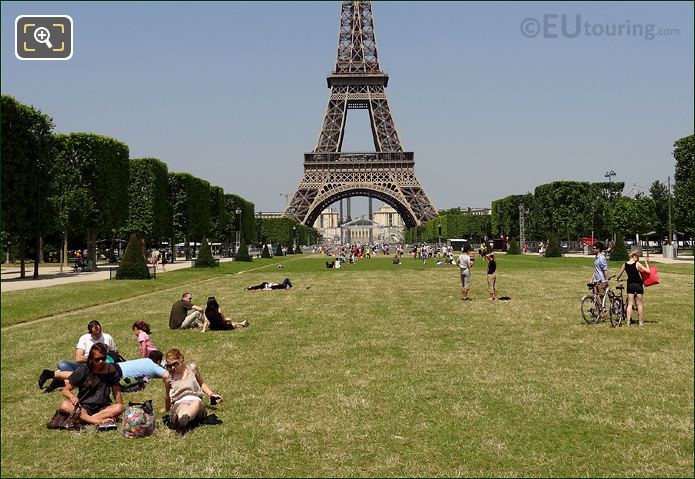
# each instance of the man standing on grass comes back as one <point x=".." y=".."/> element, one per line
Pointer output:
<point x="465" y="265"/>
<point x="491" y="275"/>
<point x="184" y="314"/>
<point x="600" y="268"/>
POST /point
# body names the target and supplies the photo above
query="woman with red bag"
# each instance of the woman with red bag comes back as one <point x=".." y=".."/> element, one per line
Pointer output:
<point x="635" y="285"/>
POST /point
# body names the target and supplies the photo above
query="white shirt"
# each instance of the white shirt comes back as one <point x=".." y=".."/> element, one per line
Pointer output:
<point x="465" y="263"/>
<point x="86" y="342"/>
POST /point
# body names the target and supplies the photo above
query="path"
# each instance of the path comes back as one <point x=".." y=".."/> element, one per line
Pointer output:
<point x="131" y="298"/>
<point x="50" y="275"/>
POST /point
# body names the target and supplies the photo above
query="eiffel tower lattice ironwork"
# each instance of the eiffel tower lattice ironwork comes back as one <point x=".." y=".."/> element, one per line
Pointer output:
<point x="388" y="173"/>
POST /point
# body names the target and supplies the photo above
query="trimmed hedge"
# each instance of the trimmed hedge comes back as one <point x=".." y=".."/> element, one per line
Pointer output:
<point x="266" y="251"/>
<point x="204" y="259"/>
<point x="513" y="247"/>
<point x="242" y="253"/>
<point x="619" y="251"/>
<point x="133" y="265"/>
<point x="553" y="249"/>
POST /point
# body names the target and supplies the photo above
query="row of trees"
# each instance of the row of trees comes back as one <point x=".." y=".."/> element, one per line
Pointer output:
<point x="284" y="231"/>
<point x="454" y="224"/>
<point x="75" y="184"/>
<point x="572" y="209"/>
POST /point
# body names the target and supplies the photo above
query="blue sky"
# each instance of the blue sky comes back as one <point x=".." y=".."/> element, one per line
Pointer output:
<point x="235" y="92"/>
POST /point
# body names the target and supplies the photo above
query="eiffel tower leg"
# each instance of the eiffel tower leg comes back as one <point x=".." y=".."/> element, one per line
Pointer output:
<point x="331" y="136"/>
<point x="383" y="126"/>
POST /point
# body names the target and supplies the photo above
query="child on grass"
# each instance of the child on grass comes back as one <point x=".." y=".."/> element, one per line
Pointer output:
<point x="145" y="345"/>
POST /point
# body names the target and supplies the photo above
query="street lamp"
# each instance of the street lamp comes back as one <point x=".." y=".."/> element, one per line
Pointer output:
<point x="238" y="227"/>
<point x="294" y="238"/>
<point x="609" y="174"/>
<point x="439" y="235"/>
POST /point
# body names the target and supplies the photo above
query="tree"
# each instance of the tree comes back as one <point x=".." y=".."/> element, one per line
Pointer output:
<point x="26" y="141"/>
<point x="190" y="203"/>
<point x="564" y="208"/>
<point x="660" y="196"/>
<point x="148" y="213"/>
<point x="179" y="187"/>
<point x="99" y="167"/>
<point x="205" y="259"/>
<point x="219" y="216"/>
<point x="505" y="215"/>
<point x="242" y="253"/>
<point x="619" y="252"/>
<point x="513" y="247"/>
<point x="684" y="186"/>
<point x="553" y="248"/>
<point x="266" y="251"/>
<point x="134" y="264"/>
<point x="244" y="222"/>
<point x="622" y="214"/>
<point x="644" y="214"/>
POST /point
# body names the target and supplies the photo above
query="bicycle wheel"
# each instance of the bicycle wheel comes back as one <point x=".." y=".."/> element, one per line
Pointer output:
<point x="617" y="312"/>
<point x="589" y="312"/>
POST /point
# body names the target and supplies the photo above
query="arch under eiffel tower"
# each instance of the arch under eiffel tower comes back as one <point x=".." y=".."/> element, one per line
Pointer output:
<point x="388" y="173"/>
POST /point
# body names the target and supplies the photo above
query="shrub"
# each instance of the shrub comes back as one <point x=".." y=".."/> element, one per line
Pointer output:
<point x="553" y="249"/>
<point x="204" y="259"/>
<point x="242" y="254"/>
<point x="278" y="250"/>
<point x="133" y="265"/>
<point x="513" y="247"/>
<point x="619" y="252"/>
<point x="266" y="252"/>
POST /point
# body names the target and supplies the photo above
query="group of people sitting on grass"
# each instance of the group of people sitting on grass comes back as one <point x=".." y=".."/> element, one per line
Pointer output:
<point x="184" y="314"/>
<point x="98" y="370"/>
<point x="97" y="374"/>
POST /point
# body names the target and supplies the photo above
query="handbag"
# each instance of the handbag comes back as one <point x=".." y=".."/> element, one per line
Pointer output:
<point x="67" y="422"/>
<point x="651" y="278"/>
<point x="138" y="420"/>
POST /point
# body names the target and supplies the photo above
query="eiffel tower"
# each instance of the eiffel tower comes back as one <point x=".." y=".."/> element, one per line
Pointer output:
<point x="388" y="173"/>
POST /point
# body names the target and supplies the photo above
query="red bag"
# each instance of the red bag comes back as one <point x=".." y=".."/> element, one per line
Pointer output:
<point x="651" y="278"/>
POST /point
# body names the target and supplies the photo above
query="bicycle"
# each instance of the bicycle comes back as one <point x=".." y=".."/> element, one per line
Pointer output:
<point x="593" y="306"/>
<point x="617" y="308"/>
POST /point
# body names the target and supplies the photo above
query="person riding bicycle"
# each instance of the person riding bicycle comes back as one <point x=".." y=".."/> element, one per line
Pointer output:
<point x="600" y="276"/>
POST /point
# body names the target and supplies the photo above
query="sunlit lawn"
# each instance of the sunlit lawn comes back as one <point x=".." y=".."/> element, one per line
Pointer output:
<point x="375" y="370"/>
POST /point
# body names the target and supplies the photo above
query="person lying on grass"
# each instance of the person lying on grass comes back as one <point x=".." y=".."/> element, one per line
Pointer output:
<point x="214" y="319"/>
<point x="183" y="392"/>
<point x="135" y="369"/>
<point x="96" y="381"/>
<point x="266" y="286"/>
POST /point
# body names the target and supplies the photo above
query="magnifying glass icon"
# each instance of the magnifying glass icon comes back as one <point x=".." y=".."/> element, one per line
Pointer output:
<point x="42" y="35"/>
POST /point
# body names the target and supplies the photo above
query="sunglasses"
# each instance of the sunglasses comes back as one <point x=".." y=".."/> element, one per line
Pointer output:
<point x="101" y="359"/>
<point x="173" y="365"/>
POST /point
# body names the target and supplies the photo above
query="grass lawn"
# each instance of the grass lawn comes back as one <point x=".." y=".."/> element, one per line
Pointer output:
<point x="374" y="370"/>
